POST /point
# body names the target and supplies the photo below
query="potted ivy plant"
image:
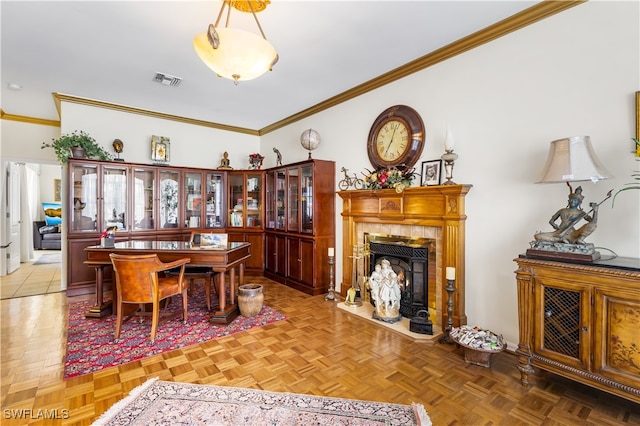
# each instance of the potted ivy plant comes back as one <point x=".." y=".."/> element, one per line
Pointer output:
<point x="76" y="144"/>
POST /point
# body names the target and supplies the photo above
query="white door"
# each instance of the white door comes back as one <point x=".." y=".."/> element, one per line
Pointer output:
<point x="13" y="218"/>
<point x="10" y="211"/>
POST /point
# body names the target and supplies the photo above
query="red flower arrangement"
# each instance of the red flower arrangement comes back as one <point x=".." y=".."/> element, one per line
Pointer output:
<point x="391" y="177"/>
<point x="255" y="160"/>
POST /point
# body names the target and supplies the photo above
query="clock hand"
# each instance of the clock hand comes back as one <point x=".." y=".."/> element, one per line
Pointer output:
<point x="391" y="141"/>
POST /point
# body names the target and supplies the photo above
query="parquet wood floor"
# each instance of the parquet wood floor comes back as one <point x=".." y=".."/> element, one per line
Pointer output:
<point x="320" y="349"/>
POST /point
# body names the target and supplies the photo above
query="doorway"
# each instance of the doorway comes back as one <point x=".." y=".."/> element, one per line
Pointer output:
<point x="24" y="270"/>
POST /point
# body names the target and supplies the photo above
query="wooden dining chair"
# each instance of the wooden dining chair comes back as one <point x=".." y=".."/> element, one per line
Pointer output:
<point x="138" y="282"/>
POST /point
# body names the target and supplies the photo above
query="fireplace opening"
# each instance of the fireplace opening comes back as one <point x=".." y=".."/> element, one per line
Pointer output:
<point x="414" y="262"/>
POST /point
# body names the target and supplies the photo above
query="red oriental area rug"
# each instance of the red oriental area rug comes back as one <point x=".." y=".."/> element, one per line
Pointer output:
<point x="90" y="344"/>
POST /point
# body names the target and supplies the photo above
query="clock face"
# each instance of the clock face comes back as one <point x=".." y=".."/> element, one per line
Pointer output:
<point x="393" y="140"/>
<point x="396" y="138"/>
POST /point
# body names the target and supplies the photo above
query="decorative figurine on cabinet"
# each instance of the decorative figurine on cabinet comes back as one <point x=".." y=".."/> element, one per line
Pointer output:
<point x="225" y="162"/>
<point x="278" y="156"/>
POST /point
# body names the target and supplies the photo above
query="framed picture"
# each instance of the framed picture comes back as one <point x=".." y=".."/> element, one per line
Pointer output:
<point x="431" y="172"/>
<point x="57" y="189"/>
<point x="213" y="241"/>
<point x="160" y="149"/>
<point x="52" y="213"/>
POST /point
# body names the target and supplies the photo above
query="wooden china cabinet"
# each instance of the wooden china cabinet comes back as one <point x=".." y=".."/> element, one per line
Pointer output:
<point x="295" y="207"/>
<point x="581" y="321"/>
<point x="300" y="224"/>
<point x="245" y="214"/>
<point x="143" y="202"/>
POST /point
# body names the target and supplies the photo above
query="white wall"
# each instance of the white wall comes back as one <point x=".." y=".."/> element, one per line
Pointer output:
<point x="191" y="146"/>
<point x="572" y="74"/>
<point x="48" y="173"/>
<point x="21" y="142"/>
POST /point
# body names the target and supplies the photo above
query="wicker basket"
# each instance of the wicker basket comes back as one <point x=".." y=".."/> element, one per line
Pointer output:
<point x="477" y="356"/>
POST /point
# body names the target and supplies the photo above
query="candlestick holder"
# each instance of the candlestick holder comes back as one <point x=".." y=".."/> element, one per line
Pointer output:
<point x="450" y="289"/>
<point x="449" y="157"/>
<point x="332" y="290"/>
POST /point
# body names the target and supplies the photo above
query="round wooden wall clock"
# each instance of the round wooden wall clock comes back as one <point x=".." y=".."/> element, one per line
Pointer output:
<point x="396" y="138"/>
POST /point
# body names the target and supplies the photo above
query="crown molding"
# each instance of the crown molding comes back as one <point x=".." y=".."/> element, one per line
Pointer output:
<point x="30" y="120"/>
<point x="61" y="97"/>
<point x="513" y="23"/>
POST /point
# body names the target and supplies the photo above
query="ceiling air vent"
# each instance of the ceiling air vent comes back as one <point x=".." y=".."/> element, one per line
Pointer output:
<point x="166" y="79"/>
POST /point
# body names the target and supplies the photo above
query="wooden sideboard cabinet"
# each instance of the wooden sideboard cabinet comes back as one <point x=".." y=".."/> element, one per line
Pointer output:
<point x="581" y="321"/>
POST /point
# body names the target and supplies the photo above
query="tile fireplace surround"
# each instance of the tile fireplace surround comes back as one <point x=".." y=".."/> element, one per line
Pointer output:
<point x="429" y="212"/>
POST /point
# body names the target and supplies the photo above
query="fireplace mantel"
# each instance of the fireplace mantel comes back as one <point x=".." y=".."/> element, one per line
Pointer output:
<point x="440" y="208"/>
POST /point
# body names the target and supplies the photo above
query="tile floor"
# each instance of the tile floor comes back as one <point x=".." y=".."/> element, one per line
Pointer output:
<point x="30" y="279"/>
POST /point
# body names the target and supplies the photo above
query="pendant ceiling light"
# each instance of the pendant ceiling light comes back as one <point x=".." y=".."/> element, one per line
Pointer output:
<point x="233" y="53"/>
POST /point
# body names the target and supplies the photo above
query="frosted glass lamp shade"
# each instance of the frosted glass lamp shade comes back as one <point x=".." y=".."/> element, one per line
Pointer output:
<point x="241" y="55"/>
<point x="573" y="159"/>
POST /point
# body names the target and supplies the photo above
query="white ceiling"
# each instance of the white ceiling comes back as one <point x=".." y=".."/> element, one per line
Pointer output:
<point x="110" y="51"/>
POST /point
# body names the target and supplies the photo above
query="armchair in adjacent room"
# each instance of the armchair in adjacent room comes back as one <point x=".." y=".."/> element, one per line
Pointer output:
<point x="138" y="282"/>
<point x="46" y="236"/>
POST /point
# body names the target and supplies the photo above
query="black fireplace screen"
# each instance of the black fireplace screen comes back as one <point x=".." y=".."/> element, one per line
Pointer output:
<point x="413" y="260"/>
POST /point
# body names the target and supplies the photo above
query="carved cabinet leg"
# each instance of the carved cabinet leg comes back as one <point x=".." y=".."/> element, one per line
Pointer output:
<point x="525" y="323"/>
<point x="524" y="364"/>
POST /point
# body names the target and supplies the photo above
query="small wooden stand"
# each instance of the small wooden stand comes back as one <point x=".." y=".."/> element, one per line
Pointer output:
<point x="561" y="256"/>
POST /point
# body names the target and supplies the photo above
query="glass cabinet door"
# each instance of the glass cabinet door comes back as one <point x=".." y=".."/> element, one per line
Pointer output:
<point x="193" y="199"/>
<point x="169" y="184"/>
<point x="144" y="199"/>
<point x="280" y="199"/>
<point x="245" y="200"/>
<point x="214" y="215"/>
<point x="253" y="205"/>
<point x="236" y="200"/>
<point x="84" y="187"/>
<point x="306" y="199"/>
<point x="292" y="202"/>
<point x="114" y="199"/>
<point x="270" y="200"/>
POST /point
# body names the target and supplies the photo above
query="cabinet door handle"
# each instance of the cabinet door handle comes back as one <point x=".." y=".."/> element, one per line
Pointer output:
<point x="585" y="329"/>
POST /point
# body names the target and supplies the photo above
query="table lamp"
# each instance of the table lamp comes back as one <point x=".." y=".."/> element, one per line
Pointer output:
<point x="570" y="160"/>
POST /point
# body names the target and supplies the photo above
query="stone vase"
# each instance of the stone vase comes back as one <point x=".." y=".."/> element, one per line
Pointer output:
<point x="250" y="299"/>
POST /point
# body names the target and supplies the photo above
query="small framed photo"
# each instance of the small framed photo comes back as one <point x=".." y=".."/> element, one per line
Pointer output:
<point x="431" y="172"/>
<point x="214" y="241"/>
<point x="57" y="189"/>
<point x="160" y="149"/>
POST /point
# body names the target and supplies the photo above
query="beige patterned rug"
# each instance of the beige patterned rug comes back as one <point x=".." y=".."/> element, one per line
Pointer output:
<point x="158" y="402"/>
